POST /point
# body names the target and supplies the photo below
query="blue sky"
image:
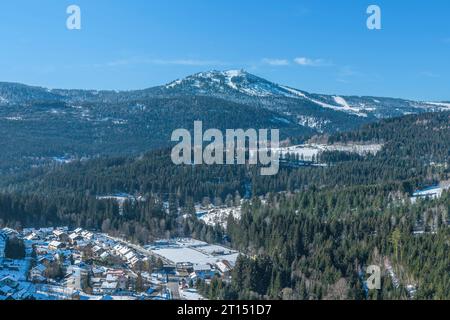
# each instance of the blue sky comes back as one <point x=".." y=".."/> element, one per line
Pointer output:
<point x="317" y="45"/>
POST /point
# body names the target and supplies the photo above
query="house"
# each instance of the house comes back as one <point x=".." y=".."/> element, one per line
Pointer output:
<point x="203" y="271"/>
<point x="75" y="237"/>
<point x="37" y="273"/>
<point x="96" y="283"/>
<point x="61" y="235"/>
<point x="9" y="232"/>
<point x="27" y="231"/>
<point x="46" y="231"/>
<point x="124" y="251"/>
<point x="6" y="291"/>
<point x="46" y="259"/>
<point x="82" y="244"/>
<point x="55" y="245"/>
<point x="224" y="267"/>
<point x="104" y="255"/>
<point x="8" y="286"/>
<point x="133" y="261"/>
<point x="98" y="271"/>
<point x="109" y="287"/>
<point x="118" y="276"/>
<point x="97" y="250"/>
<point x="77" y="278"/>
<point x="87" y="235"/>
<point x="130" y="255"/>
<point x="32" y="236"/>
<point x="184" y="268"/>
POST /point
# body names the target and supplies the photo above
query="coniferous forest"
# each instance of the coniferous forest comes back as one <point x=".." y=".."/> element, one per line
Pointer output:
<point x="306" y="233"/>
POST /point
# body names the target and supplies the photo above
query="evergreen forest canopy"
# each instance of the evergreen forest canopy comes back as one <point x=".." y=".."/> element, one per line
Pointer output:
<point x="306" y="233"/>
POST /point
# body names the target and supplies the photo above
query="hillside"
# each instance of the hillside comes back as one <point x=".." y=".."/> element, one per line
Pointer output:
<point x="311" y="230"/>
<point x="40" y="125"/>
<point x="413" y="147"/>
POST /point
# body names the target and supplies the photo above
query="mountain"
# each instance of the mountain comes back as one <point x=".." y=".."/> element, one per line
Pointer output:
<point x="241" y="86"/>
<point x="414" y="148"/>
<point x="44" y="132"/>
<point x="39" y="125"/>
<point x="318" y="111"/>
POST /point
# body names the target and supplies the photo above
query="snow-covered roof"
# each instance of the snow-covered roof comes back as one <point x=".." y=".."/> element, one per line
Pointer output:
<point x="55" y="244"/>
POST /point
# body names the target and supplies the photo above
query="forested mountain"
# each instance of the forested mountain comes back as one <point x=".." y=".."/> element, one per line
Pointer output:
<point x="42" y="132"/>
<point x="40" y="125"/>
<point x="414" y="148"/>
<point x="309" y="236"/>
<point x="306" y="233"/>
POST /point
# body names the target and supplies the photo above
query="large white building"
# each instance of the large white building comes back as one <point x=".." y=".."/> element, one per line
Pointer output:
<point x="434" y="192"/>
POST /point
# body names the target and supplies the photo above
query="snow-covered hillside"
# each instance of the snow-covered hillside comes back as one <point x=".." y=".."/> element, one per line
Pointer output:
<point x="320" y="112"/>
<point x="232" y="82"/>
<point x="244" y="86"/>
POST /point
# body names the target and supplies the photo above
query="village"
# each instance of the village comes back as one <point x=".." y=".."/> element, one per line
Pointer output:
<point x="63" y="264"/>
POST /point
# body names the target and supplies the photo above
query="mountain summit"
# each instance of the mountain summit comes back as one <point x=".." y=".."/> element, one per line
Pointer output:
<point x="232" y="82"/>
<point x="243" y="87"/>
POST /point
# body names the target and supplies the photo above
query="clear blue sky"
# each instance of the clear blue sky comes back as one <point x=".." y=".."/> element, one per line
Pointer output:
<point x="141" y="43"/>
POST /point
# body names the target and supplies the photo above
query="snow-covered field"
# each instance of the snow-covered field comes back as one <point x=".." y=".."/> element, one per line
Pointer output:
<point x="193" y="251"/>
<point x="443" y="105"/>
<point x="309" y="151"/>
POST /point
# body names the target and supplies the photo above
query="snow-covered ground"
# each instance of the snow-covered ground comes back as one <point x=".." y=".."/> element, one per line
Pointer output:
<point x="313" y="122"/>
<point x="410" y="288"/>
<point x="443" y="105"/>
<point x="392" y="274"/>
<point x="309" y="151"/>
<point x="14" y="118"/>
<point x="344" y="106"/>
<point x="191" y="295"/>
<point x="193" y="251"/>
<point x="219" y="216"/>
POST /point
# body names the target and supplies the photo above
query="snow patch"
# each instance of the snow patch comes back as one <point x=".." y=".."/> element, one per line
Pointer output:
<point x="3" y="100"/>
<point x="218" y="215"/>
<point x="313" y="122"/>
<point x="440" y="104"/>
<point x="294" y="92"/>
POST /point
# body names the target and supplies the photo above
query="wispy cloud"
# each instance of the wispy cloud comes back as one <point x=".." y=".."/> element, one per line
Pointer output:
<point x="187" y="62"/>
<point x="346" y="73"/>
<point x="178" y="62"/>
<point x="276" y="62"/>
<point x="309" y="62"/>
<point x="429" y="74"/>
